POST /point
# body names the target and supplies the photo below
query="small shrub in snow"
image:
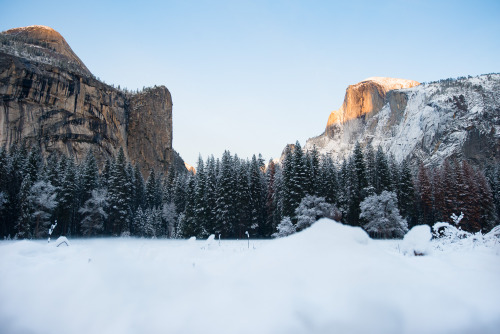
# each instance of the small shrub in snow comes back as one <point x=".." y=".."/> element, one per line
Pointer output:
<point x="451" y="237"/>
<point x="62" y="241"/>
<point x="382" y="215"/>
<point x="285" y="228"/>
<point x="417" y="241"/>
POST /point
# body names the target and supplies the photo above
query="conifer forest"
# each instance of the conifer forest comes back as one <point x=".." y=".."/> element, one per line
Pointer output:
<point x="231" y="196"/>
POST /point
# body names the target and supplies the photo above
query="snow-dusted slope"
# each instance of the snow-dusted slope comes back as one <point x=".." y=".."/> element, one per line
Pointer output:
<point x="429" y="122"/>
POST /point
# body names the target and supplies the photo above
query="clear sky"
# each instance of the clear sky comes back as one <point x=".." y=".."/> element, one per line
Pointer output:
<point x="252" y="76"/>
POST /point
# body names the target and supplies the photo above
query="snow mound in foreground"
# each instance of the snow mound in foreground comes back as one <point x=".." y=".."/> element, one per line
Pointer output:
<point x="332" y="233"/>
<point x="417" y="240"/>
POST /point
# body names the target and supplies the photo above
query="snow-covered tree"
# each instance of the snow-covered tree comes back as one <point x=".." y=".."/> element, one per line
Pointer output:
<point x="43" y="199"/>
<point x="381" y="214"/>
<point x="94" y="212"/>
<point x="169" y="214"/>
<point x="311" y="209"/>
<point x="284" y="228"/>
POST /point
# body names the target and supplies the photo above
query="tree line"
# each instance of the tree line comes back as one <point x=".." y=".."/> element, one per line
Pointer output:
<point x="231" y="196"/>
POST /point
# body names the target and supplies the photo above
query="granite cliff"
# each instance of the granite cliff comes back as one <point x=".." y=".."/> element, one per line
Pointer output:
<point x="48" y="98"/>
<point x="428" y="122"/>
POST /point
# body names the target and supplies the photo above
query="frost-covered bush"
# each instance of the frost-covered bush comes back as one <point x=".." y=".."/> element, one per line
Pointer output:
<point x="451" y="237"/>
<point x="417" y="241"/>
<point x="311" y="209"/>
<point x="285" y="228"/>
<point x="382" y="215"/>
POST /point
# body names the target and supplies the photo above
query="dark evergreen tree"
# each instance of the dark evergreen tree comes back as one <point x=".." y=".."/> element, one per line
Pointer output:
<point x="328" y="182"/>
<point x="382" y="172"/>
<point x="68" y="204"/>
<point x="371" y="168"/>
<point x="287" y="199"/>
<point x="425" y="194"/>
<point x="313" y="160"/>
<point x="24" y="224"/>
<point x="138" y="197"/>
<point x="201" y="209"/>
<point x="33" y="165"/>
<point x="190" y="227"/>
<point x="241" y="201"/>
<point x="225" y="209"/>
<point x="406" y="194"/>
<point x="210" y="195"/>
<point x="153" y="191"/>
<point x="89" y="176"/>
<point x="119" y="210"/>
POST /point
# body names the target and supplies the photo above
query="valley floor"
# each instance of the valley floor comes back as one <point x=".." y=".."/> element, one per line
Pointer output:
<point x="329" y="278"/>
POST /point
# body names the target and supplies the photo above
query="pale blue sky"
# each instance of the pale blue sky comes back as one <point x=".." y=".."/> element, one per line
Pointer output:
<point x="252" y="76"/>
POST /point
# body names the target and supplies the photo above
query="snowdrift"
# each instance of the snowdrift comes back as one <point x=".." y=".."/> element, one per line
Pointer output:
<point x="329" y="278"/>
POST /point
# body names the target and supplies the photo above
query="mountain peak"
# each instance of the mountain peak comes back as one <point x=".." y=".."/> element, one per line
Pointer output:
<point x="365" y="97"/>
<point x="393" y="83"/>
<point x="46" y="40"/>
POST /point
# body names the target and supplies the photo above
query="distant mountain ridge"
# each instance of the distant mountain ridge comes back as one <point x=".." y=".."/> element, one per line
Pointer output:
<point x="48" y="98"/>
<point x="427" y="122"/>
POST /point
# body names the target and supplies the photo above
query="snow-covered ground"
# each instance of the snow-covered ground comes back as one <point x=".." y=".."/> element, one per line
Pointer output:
<point x="329" y="278"/>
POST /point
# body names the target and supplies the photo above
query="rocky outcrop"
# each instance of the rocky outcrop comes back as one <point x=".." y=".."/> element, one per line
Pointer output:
<point x="364" y="98"/>
<point x="67" y="111"/>
<point x="429" y="122"/>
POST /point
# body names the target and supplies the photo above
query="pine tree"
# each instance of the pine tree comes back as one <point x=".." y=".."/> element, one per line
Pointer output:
<point x="68" y="201"/>
<point x="190" y="226"/>
<point x="139" y="189"/>
<point x="225" y="209"/>
<point x="328" y="180"/>
<point x="94" y="213"/>
<point x="371" y="168"/>
<point x="33" y="164"/>
<point x="256" y="196"/>
<point x="406" y="194"/>
<point x="6" y="227"/>
<point x="313" y="162"/>
<point x="210" y="196"/>
<point x="270" y="198"/>
<point x="119" y="210"/>
<point x="201" y="209"/>
<point x="382" y="172"/>
<point x="23" y="225"/>
<point x="287" y="173"/>
<point x="425" y="193"/>
<point x="153" y="193"/>
<point x="89" y="176"/>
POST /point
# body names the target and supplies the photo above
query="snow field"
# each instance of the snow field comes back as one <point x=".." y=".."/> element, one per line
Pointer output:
<point x="329" y="278"/>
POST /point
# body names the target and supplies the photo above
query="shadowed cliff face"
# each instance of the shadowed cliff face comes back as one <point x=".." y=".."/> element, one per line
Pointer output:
<point x="60" y="110"/>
